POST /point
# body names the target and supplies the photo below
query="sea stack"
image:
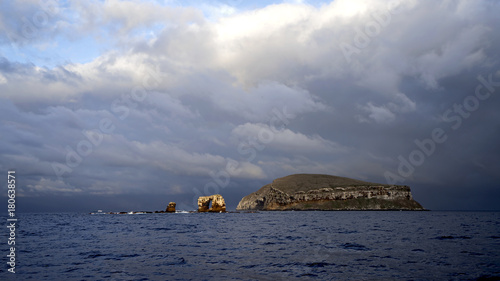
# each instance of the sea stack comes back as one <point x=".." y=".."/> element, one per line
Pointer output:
<point x="325" y="192"/>
<point x="171" y="207"/>
<point x="218" y="203"/>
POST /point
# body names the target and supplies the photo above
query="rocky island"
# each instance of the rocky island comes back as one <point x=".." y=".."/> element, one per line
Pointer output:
<point x="213" y="203"/>
<point x="170" y="207"/>
<point x="325" y="192"/>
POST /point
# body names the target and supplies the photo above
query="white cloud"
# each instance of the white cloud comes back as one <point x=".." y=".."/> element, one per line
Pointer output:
<point x="126" y="16"/>
<point x="285" y="140"/>
<point x="258" y="104"/>
<point x="45" y="185"/>
<point x="174" y="159"/>
<point x="170" y="106"/>
<point x="3" y="80"/>
<point x="379" y="114"/>
<point x="461" y="51"/>
<point x="287" y="44"/>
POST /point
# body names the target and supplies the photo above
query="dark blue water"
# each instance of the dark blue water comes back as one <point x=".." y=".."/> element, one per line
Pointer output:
<point x="257" y="246"/>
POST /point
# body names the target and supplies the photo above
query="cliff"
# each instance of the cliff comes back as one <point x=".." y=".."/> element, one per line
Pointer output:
<point x="325" y="192"/>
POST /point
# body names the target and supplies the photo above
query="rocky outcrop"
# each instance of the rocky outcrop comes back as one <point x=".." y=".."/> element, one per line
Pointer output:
<point x="324" y="192"/>
<point x="217" y="201"/>
<point x="171" y="207"/>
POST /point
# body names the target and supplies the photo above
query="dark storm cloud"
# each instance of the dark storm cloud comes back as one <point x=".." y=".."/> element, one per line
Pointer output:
<point x="187" y="106"/>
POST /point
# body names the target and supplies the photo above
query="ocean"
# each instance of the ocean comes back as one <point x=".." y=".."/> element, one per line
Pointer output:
<point x="313" y="245"/>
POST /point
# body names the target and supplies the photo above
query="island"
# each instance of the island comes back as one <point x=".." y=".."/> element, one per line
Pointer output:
<point x="326" y="192"/>
<point x="213" y="203"/>
<point x="170" y="207"/>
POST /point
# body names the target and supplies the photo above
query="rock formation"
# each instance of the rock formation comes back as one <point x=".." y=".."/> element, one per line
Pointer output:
<point x="325" y="192"/>
<point x="218" y="204"/>
<point x="171" y="207"/>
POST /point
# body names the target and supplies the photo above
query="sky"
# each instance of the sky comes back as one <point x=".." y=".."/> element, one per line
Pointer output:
<point x="128" y="105"/>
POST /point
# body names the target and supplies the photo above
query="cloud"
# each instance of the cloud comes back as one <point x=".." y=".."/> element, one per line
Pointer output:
<point x="174" y="159"/>
<point x="3" y="80"/>
<point x="258" y="103"/>
<point x="170" y="105"/>
<point x="285" y="140"/>
<point x="462" y="51"/>
<point x="379" y="114"/>
<point x="183" y="87"/>
<point x="49" y="186"/>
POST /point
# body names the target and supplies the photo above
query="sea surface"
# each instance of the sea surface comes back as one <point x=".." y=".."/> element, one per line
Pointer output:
<point x="274" y="246"/>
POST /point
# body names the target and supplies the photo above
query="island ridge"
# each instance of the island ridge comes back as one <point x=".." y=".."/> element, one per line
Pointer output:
<point x="326" y="192"/>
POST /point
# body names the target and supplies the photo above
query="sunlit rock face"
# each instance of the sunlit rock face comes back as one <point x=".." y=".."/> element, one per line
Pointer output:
<point x="171" y="207"/>
<point x="325" y="192"/>
<point x="218" y="203"/>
